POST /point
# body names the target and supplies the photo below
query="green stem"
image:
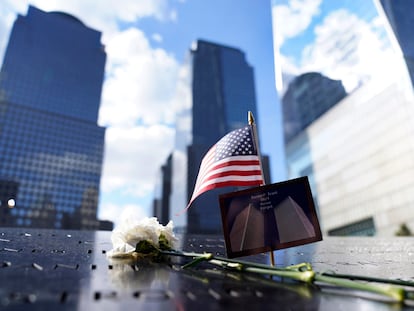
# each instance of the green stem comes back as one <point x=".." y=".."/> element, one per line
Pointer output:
<point x="394" y="292"/>
<point x="369" y="279"/>
<point x="197" y="260"/>
<point x="298" y="267"/>
<point x="303" y="276"/>
<point x="301" y="272"/>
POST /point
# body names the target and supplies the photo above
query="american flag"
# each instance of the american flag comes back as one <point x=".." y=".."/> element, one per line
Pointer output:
<point x="232" y="161"/>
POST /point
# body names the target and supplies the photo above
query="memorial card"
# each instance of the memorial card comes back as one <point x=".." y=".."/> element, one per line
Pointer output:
<point x="268" y="218"/>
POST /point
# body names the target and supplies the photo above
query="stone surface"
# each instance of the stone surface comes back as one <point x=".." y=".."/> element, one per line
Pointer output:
<point x="69" y="270"/>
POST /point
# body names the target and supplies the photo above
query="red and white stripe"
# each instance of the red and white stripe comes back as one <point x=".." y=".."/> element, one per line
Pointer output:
<point x="242" y="170"/>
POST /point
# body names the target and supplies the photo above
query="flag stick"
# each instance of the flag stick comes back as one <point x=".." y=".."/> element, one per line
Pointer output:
<point x="256" y="142"/>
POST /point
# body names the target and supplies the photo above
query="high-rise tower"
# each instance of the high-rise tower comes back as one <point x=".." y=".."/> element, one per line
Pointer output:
<point x="397" y="12"/>
<point x="223" y="91"/>
<point x="51" y="148"/>
<point x="308" y="97"/>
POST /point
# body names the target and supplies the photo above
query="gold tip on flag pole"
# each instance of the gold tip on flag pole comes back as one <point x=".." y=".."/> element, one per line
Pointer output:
<point x="250" y="119"/>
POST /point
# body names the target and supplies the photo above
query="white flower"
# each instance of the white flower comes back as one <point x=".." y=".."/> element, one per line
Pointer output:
<point x="130" y="232"/>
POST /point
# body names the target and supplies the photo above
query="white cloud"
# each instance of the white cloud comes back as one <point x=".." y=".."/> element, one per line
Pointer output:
<point x="118" y="213"/>
<point x="173" y="15"/>
<point x="141" y="82"/>
<point x="105" y="14"/>
<point x="288" y="21"/>
<point x="156" y="37"/>
<point x="182" y="100"/>
<point x="292" y="19"/>
<point x="348" y="49"/>
<point x="133" y="156"/>
<point x="345" y="47"/>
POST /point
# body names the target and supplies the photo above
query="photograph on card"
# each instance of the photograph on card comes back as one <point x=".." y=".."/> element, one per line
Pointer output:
<point x="268" y="218"/>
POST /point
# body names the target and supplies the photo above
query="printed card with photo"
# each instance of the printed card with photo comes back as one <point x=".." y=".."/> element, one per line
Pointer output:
<point x="268" y="218"/>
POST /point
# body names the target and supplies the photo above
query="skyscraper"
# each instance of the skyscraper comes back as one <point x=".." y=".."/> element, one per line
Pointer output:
<point x="306" y="99"/>
<point x="51" y="148"/>
<point x="223" y="92"/>
<point x="55" y="63"/>
<point x="161" y="206"/>
<point x="402" y="23"/>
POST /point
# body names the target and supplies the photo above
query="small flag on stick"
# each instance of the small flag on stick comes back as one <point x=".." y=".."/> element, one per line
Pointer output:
<point x="233" y="161"/>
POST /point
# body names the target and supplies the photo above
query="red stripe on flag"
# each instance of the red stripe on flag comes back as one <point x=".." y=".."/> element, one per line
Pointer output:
<point x="238" y="172"/>
<point x="217" y="169"/>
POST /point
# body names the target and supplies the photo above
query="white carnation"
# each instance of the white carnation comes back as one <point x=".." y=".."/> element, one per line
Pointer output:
<point x="130" y="232"/>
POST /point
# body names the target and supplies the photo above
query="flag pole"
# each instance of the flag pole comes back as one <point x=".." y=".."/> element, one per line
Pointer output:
<point x="256" y="142"/>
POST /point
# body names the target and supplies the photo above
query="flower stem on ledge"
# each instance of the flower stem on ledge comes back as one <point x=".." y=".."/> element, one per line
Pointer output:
<point x="394" y="292"/>
<point x="304" y="272"/>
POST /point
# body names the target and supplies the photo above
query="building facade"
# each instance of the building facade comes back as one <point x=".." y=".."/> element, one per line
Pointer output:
<point x="307" y="97"/>
<point x="51" y="148"/>
<point x="358" y="154"/>
<point x="361" y="156"/>
<point x="161" y="202"/>
<point x="55" y="63"/>
<point x="401" y="22"/>
<point x="358" y="159"/>
<point x="223" y="91"/>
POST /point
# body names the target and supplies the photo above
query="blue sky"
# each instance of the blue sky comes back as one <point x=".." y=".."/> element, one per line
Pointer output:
<point x="344" y="40"/>
<point x="365" y="10"/>
<point x="147" y="81"/>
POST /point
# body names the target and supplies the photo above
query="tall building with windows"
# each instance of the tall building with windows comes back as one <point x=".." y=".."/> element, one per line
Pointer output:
<point x="402" y="23"/>
<point x="359" y="153"/>
<point x="161" y="202"/>
<point x="308" y="97"/>
<point x="51" y="148"/>
<point x="223" y="91"/>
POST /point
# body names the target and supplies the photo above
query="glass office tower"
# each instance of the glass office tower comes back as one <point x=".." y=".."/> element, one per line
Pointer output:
<point x="402" y="23"/>
<point x="51" y="148"/>
<point x="307" y="98"/>
<point x="161" y="206"/>
<point x="223" y="91"/>
<point x="55" y="63"/>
